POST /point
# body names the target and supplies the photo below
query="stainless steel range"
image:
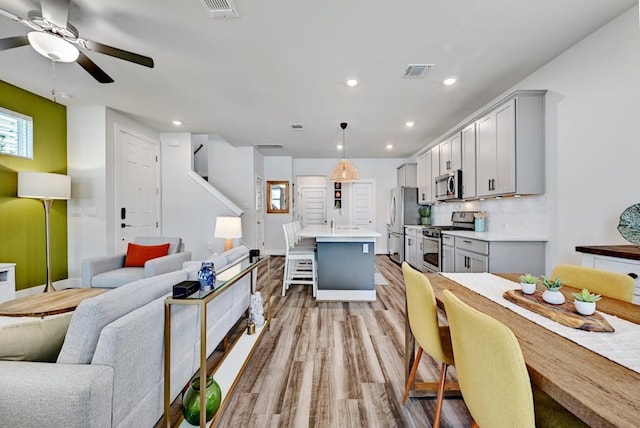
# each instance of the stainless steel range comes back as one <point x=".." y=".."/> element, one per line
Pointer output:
<point x="432" y="239"/>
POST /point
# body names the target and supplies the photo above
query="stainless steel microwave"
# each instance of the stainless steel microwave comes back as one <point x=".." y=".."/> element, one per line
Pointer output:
<point x="449" y="186"/>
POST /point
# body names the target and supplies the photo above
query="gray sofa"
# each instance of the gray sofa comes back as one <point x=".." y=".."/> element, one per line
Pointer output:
<point x="109" y="271"/>
<point x="109" y="372"/>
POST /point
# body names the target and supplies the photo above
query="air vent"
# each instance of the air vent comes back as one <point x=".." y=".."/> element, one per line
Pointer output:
<point x="268" y="146"/>
<point x="416" y="70"/>
<point x="296" y="127"/>
<point x="220" y="8"/>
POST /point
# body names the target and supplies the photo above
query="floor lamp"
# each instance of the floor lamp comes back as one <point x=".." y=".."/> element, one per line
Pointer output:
<point x="228" y="228"/>
<point x="46" y="187"/>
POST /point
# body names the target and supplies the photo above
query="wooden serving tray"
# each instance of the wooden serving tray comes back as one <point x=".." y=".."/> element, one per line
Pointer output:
<point x="565" y="314"/>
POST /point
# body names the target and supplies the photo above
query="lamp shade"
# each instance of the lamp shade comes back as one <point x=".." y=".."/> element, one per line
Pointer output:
<point x="44" y="185"/>
<point x="344" y="172"/>
<point x="228" y="227"/>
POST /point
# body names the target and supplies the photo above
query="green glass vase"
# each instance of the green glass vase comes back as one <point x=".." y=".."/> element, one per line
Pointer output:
<point x="191" y="401"/>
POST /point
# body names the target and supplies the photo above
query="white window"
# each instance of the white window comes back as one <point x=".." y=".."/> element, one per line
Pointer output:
<point x="16" y="134"/>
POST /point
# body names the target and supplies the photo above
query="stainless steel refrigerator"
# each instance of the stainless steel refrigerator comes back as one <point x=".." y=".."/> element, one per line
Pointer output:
<point x="404" y="211"/>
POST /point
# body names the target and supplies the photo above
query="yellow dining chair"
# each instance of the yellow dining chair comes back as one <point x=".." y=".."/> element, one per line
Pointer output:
<point x="610" y="284"/>
<point x="493" y="376"/>
<point x="430" y="337"/>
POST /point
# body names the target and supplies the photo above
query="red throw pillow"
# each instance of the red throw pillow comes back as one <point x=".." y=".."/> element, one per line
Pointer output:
<point x="137" y="255"/>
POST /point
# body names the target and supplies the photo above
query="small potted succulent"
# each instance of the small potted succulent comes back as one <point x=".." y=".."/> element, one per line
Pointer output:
<point x="552" y="293"/>
<point x="585" y="302"/>
<point x="425" y="215"/>
<point x="528" y="283"/>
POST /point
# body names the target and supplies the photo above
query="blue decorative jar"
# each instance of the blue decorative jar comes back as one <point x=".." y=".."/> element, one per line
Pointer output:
<point x="206" y="276"/>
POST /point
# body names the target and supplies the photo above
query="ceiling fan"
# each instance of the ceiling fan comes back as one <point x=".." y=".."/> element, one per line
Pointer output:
<point x="55" y="38"/>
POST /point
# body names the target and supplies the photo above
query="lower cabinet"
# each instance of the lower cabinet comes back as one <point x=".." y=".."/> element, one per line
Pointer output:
<point x="475" y="255"/>
<point x="448" y="254"/>
<point x="468" y="262"/>
<point x="413" y="246"/>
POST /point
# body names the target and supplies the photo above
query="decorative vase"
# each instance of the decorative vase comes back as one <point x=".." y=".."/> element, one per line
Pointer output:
<point x="585" y="308"/>
<point x="426" y="221"/>
<point x="206" y="276"/>
<point x="191" y="401"/>
<point x="553" y="297"/>
<point x="528" y="288"/>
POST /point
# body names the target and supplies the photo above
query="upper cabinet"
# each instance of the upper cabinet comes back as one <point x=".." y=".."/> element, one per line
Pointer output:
<point x="450" y="154"/>
<point x="408" y="175"/>
<point x="424" y="178"/>
<point x="468" y="143"/>
<point x="510" y="147"/>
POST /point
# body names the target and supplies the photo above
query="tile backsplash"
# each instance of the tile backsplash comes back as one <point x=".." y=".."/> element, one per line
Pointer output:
<point x="527" y="215"/>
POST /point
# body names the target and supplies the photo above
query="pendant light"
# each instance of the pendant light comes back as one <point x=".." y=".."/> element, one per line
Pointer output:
<point x="344" y="172"/>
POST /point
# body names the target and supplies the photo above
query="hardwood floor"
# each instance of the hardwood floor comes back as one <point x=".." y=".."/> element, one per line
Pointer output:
<point x="334" y="365"/>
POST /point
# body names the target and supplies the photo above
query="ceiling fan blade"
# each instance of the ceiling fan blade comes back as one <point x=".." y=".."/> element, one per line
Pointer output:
<point x="9" y="15"/>
<point x="55" y="11"/>
<point x="118" y="53"/>
<point x="13" y="42"/>
<point x="93" y="69"/>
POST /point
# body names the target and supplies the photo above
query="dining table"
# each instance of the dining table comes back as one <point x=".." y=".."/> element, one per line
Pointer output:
<point x="599" y="391"/>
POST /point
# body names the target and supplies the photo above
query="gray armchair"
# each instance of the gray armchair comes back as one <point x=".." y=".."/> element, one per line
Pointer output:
<point x="109" y="271"/>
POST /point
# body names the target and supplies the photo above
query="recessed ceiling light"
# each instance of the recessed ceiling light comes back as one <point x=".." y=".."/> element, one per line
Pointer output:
<point x="176" y="122"/>
<point x="389" y="146"/>
<point x="65" y="95"/>
<point x="339" y="147"/>
<point x="409" y="124"/>
<point x="352" y="82"/>
<point x="449" y="81"/>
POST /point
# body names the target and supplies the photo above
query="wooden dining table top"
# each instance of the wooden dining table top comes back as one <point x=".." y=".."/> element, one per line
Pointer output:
<point x="599" y="391"/>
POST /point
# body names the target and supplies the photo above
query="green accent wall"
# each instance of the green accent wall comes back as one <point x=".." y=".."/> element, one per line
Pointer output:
<point x="22" y="229"/>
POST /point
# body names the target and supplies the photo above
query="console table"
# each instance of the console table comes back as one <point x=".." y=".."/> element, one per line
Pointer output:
<point x="236" y="355"/>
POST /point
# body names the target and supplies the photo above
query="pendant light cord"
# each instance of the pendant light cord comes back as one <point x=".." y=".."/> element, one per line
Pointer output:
<point x="53" y="78"/>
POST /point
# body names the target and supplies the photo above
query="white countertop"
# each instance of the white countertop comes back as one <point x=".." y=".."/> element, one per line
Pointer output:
<point x="347" y="232"/>
<point x="495" y="236"/>
<point x="413" y="226"/>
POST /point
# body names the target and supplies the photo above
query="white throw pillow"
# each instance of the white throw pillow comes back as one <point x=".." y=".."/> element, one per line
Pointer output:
<point x="33" y="338"/>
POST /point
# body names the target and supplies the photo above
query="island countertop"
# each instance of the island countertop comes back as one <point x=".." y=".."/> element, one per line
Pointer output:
<point x="324" y="233"/>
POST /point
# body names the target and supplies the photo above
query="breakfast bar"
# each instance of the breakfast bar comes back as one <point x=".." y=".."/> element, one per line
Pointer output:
<point x="346" y="256"/>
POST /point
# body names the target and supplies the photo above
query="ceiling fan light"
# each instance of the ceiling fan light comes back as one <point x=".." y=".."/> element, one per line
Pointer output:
<point x="53" y="47"/>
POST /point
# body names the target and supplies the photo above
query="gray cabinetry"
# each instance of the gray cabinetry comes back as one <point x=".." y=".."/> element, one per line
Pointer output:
<point x="413" y="247"/>
<point x="407" y="175"/>
<point x="450" y="154"/>
<point x="448" y="254"/>
<point x="510" y="146"/>
<point x="425" y="184"/>
<point x="476" y="255"/>
<point x="468" y="136"/>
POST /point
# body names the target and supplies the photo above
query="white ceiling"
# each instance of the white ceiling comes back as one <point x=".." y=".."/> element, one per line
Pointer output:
<point x="247" y="79"/>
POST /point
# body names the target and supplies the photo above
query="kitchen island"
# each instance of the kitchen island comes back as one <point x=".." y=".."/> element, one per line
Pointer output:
<point x="346" y="262"/>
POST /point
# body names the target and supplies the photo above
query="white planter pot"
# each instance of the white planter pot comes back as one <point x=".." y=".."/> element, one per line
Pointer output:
<point x="585" y="308"/>
<point x="553" y="297"/>
<point x="527" y="288"/>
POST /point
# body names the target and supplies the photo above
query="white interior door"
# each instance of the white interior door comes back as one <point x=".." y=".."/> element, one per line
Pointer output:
<point x="313" y="201"/>
<point x="259" y="215"/>
<point x="363" y="204"/>
<point x="136" y="190"/>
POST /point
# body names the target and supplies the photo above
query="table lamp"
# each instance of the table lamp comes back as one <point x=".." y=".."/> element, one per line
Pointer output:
<point x="228" y="228"/>
<point x="46" y="187"/>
